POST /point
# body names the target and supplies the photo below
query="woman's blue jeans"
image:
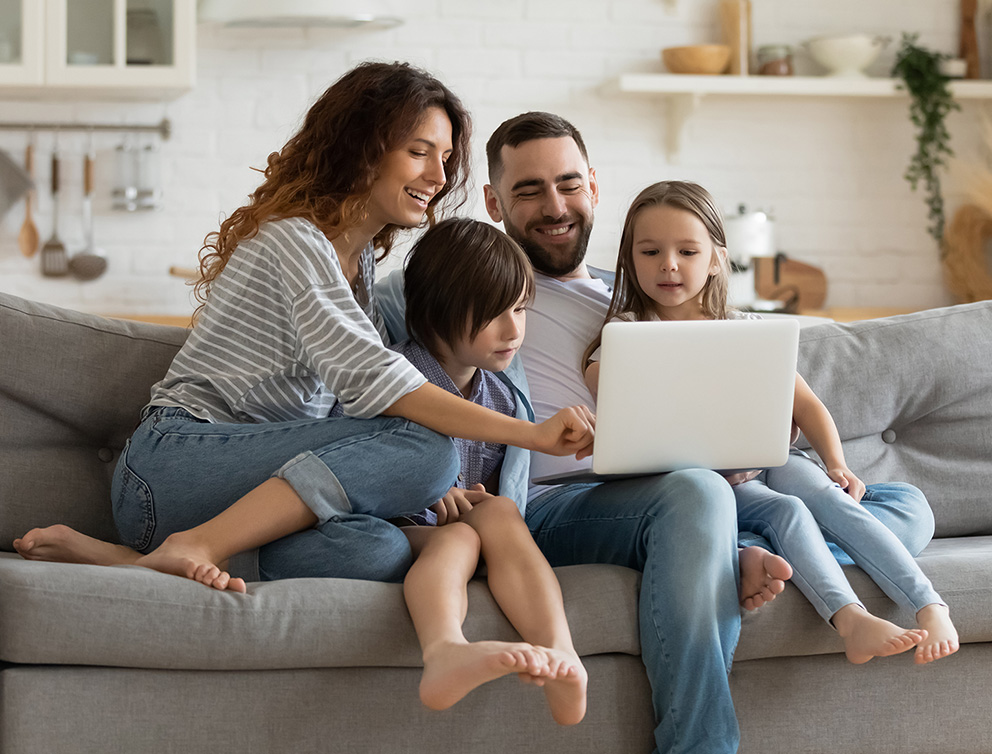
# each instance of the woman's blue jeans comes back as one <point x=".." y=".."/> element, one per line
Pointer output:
<point x="177" y="472"/>
<point x="797" y="506"/>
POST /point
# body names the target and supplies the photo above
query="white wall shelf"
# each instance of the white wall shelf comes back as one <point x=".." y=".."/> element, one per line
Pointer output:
<point x="684" y="92"/>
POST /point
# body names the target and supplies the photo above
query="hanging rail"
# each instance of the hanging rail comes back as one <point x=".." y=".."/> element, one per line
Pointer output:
<point x="163" y="128"/>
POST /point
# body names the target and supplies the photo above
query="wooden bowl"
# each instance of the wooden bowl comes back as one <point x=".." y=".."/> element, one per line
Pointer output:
<point x="706" y="59"/>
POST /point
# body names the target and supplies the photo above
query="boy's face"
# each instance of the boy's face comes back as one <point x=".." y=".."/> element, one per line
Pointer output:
<point x="494" y="347"/>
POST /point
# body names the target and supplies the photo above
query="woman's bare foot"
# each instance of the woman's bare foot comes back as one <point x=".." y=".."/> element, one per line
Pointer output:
<point x="452" y="670"/>
<point x="180" y="555"/>
<point x="763" y="576"/>
<point x="866" y="636"/>
<point x="942" y="637"/>
<point x="565" y="686"/>
<point x="62" y="544"/>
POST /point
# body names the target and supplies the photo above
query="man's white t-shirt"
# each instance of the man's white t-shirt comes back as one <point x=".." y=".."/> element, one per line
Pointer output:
<point x="561" y="323"/>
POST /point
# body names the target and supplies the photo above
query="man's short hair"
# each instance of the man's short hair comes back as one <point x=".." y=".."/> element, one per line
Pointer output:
<point x="460" y="275"/>
<point x="527" y="127"/>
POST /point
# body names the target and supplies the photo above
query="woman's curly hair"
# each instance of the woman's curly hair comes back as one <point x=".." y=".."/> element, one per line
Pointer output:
<point x="325" y="172"/>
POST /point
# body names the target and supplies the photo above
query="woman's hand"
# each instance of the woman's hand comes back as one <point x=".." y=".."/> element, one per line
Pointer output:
<point x="457" y="502"/>
<point x="569" y="432"/>
<point x="848" y="481"/>
<point x="741" y="476"/>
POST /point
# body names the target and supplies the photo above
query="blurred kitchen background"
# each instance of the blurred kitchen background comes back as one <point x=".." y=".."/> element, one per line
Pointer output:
<point x="210" y="99"/>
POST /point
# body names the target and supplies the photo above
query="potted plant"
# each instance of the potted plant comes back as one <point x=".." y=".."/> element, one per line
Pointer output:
<point x="930" y="102"/>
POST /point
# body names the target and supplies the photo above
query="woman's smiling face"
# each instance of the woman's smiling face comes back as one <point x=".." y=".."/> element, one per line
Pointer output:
<point x="411" y="175"/>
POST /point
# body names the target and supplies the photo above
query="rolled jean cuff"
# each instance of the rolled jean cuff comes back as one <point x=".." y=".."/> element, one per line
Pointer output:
<point x="316" y="485"/>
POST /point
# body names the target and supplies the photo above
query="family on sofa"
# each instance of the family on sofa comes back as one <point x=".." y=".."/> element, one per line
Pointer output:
<point x="289" y="439"/>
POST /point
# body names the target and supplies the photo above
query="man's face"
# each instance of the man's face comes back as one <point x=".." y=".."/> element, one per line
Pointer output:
<point x="545" y="199"/>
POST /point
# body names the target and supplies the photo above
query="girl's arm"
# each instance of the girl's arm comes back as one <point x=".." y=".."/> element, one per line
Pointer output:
<point x="815" y="421"/>
<point x="569" y="432"/>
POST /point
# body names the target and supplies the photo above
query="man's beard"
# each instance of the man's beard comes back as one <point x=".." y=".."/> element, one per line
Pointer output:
<point x="555" y="264"/>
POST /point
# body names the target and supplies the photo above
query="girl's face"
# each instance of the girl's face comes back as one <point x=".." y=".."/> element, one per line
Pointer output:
<point x="411" y="175"/>
<point x="495" y="344"/>
<point x="673" y="257"/>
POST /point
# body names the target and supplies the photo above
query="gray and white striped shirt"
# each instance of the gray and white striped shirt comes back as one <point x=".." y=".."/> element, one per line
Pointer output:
<point x="283" y="337"/>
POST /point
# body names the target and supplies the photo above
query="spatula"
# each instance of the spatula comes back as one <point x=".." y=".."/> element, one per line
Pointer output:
<point x="29" y="237"/>
<point x="54" y="260"/>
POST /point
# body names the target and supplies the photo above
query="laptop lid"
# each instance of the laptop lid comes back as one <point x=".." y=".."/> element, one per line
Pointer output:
<point x="701" y="394"/>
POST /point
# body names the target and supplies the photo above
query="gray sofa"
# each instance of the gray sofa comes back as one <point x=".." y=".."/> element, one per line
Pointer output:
<point x="122" y="659"/>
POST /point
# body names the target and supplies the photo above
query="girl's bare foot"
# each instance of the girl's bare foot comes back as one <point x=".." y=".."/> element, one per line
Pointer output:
<point x="763" y="576"/>
<point x="565" y="686"/>
<point x="866" y="636"/>
<point x="452" y="670"/>
<point x="942" y="637"/>
<point x="62" y="544"/>
<point x="181" y="556"/>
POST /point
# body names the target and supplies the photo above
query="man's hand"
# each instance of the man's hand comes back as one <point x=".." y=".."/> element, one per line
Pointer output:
<point x="847" y="480"/>
<point x="457" y="502"/>
<point x="569" y="432"/>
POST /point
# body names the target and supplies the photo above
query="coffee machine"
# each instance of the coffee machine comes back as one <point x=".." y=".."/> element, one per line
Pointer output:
<point x="750" y="234"/>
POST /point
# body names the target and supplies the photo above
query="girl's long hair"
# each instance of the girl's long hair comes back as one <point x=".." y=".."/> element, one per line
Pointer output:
<point x="628" y="298"/>
<point x="325" y="172"/>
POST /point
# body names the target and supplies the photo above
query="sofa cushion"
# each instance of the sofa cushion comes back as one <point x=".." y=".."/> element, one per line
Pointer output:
<point x="128" y="616"/>
<point x="912" y="400"/>
<point x="71" y="388"/>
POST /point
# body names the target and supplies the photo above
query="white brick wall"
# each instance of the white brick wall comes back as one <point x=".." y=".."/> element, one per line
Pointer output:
<point x="830" y="169"/>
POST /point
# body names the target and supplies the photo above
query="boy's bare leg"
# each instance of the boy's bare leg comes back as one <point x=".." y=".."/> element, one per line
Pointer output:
<point x="942" y="637"/>
<point x="270" y="511"/>
<point x="527" y="590"/>
<point x="867" y="636"/>
<point x="763" y="576"/>
<point x="435" y="590"/>
<point x="62" y="544"/>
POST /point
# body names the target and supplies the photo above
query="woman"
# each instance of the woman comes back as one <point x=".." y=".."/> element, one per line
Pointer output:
<point x="235" y="449"/>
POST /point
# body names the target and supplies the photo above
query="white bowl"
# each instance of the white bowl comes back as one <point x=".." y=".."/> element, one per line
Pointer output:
<point x="846" y="55"/>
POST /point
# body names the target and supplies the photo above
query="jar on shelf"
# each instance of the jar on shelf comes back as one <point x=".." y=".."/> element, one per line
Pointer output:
<point x="775" y="60"/>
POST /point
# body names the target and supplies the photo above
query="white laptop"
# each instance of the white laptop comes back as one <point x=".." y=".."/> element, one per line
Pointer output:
<point x="678" y="395"/>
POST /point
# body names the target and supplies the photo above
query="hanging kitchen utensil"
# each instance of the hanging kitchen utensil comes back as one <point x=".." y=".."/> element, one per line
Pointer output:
<point x="14" y="183"/>
<point x="29" y="238"/>
<point x="91" y="262"/>
<point x="54" y="261"/>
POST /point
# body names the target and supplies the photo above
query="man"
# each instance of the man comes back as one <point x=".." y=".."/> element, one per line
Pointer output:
<point x="679" y="529"/>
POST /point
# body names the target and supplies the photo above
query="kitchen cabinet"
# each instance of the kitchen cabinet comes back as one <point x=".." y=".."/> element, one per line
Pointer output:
<point x="118" y="49"/>
<point x="685" y="92"/>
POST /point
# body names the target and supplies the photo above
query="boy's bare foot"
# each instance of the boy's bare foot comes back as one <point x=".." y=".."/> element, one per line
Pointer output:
<point x="452" y="670"/>
<point x="179" y="556"/>
<point x="565" y="686"/>
<point x="62" y="544"/>
<point x="763" y="576"/>
<point x="867" y="636"/>
<point x="942" y="637"/>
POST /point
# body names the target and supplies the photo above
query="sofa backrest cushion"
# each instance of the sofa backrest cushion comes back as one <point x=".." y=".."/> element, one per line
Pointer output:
<point x="71" y="388"/>
<point x="912" y="398"/>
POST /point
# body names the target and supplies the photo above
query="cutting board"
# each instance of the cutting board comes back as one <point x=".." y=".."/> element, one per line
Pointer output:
<point x="800" y="285"/>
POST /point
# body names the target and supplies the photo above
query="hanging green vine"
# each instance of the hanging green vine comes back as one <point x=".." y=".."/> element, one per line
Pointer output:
<point x="930" y="102"/>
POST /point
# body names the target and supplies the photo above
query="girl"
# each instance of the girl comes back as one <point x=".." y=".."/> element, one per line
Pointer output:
<point x="236" y="450"/>
<point x="462" y="338"/>
<point x="672" y="265"/>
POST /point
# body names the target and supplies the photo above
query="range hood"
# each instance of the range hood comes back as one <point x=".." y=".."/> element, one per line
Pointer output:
<point x="262" y="14"/>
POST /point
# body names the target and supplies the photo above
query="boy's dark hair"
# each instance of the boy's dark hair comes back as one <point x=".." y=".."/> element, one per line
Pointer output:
<point x="460" y="275"/>
<point x="527" y="127"/>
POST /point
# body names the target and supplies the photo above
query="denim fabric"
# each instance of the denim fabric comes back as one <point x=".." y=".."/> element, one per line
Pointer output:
<point x="796" y="505"/>
<point x="680" y="530"/>
<point x="177" y="471"/>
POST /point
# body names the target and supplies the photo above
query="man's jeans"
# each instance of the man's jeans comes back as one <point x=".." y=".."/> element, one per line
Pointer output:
<point x="680" y="530"/>
<point x="177" y="472"/>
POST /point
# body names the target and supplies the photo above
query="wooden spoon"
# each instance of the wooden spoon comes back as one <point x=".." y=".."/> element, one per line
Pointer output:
<point x="28" y="238"/>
